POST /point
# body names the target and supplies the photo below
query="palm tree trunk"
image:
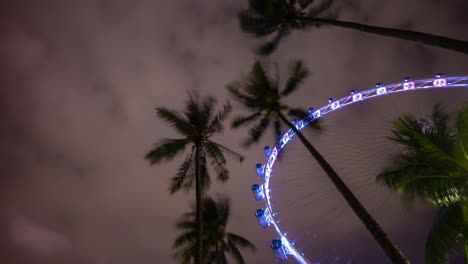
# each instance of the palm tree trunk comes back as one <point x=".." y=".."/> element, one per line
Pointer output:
<point x="428" y="39"/>
<point x="199" y="208"/>
<point x="374" y="228"/>
<point x="216" y="251"/>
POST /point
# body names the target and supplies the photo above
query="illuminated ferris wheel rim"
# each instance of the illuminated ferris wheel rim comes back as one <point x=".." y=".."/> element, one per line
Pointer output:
<point x="266" y="217"/>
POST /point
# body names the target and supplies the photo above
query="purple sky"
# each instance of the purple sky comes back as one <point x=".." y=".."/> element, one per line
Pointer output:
<point x="79" y="82"/>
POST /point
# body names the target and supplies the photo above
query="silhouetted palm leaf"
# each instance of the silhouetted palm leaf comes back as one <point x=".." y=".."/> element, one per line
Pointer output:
<point x="431" y="167"/>
<point x="216" y="241"/>
<point x="297" y="74"/>
<point x="166" y="150"/>
<point x="446" y="234"/>
<point x="266" y="17"/>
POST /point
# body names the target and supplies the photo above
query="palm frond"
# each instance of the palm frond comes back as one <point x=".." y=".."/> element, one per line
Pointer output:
<point x="185" y="254"/>
<point x="198" y="111"/>
<point x="235" y="253"/>
<point x="178" y="181"/>
<point x="257" y="131"/>
<point x="258" y="81"/>
<point x="184" y="239"/>
<point x="245" y="120"/>
<point x="413" y="174"/>
<point x="461" y="128"/>
<point x="408" y="133"/>
<point x="215" y="214"/>
<point x="445" y="232"/>
<point x="270" y="46"/>
<point x="241" y="241"/>
<point x="175" y="120"/>
<point x="298" y="113"/>
<point x="229" y="151"/>
<point x="216" y="124"/>
<point x="189" y="182"/>
<point x="166" y="149"/>
<point x="208" y="107"/>
<point x="235" y="92"/>
<point x="218" y="161"/>
<point x="297" y="74"/>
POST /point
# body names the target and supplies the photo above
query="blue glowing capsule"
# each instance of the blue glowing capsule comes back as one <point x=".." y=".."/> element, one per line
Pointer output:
<point x="278" y="250"/>
<point x="267" y="151"/>
<point x="440" y="80"/>
<point x="408" y="84"/>
<point x="378" y="85"/>
<point x="353" y="91"/>
<point x="276" y="243"/>
<point x="261" y="218"/>
<point x="330" y="100"/>
<point x="257" y="191"/>
<point x="260" y="170"/>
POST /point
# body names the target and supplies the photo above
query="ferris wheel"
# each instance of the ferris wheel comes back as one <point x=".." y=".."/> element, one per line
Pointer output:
<point x="282" y="246"/>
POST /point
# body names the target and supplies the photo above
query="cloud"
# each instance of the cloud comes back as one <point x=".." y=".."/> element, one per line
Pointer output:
<point x="36" y="238"/>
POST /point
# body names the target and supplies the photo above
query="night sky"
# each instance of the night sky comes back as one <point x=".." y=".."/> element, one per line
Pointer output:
<point x="79" y="83"/>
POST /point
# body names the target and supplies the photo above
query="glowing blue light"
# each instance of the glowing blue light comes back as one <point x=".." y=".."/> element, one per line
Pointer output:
<point x="381" y="90"/>
<point x="285" y="139"/>
<point x="440" y="82"/>
<point x="260" y="170"/>
<point x="258" y="192"/>
<point x="317" y="114"/>
<point x="299" y="125"/>
<point x="378" y="85"/>
<point x="330" y="100"/>
<point x="335" y="105"/>
<point x="357" y="97"/>
<point x="278" y="249"/>
<point x="267" y="151"/>
<point x="261" y="218"/>
<point x="408" y="84"/>
<point x="440" y="75"/>
<point x="353" y="91"/>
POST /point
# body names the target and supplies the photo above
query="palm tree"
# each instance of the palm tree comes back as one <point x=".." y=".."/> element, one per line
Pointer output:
<point x="265" y="17"/>
<point x="196" y="125"/>
<point x="216" y="240"/>
<point x="433" y="164"/>
<point x="261" y="95"/>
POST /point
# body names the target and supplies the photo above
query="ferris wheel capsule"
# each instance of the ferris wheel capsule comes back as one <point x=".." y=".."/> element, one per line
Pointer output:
<point x="260" y="170"/>
<point x="408" y="84"/>
<point x="261" y="218"/>
<point x="258" y="192"/>
<point x="267" y="151"/>
<point x="440" y="80"/>
<point x="278" y="250"/>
